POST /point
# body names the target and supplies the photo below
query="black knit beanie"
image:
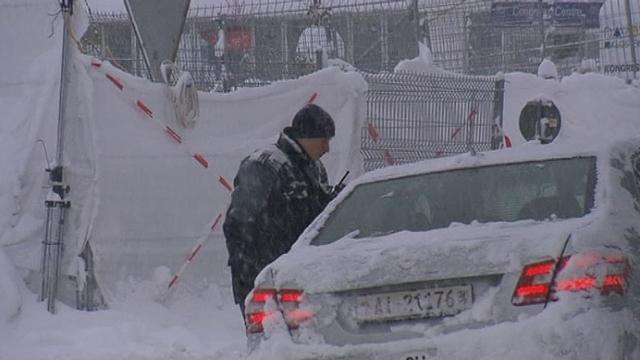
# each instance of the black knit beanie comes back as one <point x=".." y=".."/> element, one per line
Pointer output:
<point x="313" y="122"/>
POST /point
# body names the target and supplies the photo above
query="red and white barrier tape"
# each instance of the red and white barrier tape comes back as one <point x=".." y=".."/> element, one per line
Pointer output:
<point x="194" y="251"/>
<point x="375" y="136"/>
<point x="312" y="98"/>
<point x="146" y="110"/>
<point x="470" y="119"/>
<point x="227" y="185"/>
<point x="196" y="248"/>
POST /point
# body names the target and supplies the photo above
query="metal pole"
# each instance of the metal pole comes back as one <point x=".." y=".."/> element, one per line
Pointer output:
<point x="465" y="48"/>
<point x="66" y="11"/>
<point x="384" y="44"/>
<point x="53" y="244"/>
<point x="502" y="52"/>
<point x="46" y="255"/>
<point x="416" y="12"/>
<point x="284" y="46"/>
<point x="542" y="37"/>
<point x="350" y="38"/>
<point x="632" y="39"/>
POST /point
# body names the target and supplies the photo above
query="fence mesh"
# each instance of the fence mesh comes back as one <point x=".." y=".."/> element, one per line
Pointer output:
<point x="413" y="117"/>
<point x="250" y="43"/>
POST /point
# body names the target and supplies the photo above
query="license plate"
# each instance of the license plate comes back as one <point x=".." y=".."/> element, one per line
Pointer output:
<point x="424" y="303"/>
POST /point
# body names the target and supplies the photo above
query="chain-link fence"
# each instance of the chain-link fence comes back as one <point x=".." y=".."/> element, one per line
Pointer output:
<point x="413" y="117"/>
<point x="242" y="43"/>
<point x="484" y="37"/>
<point x="250" y="44"/>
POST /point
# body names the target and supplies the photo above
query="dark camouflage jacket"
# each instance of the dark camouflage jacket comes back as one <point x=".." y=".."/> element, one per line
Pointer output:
<point x="278" y="191"/>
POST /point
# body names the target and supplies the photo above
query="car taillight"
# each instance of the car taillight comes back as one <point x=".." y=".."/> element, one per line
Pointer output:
<point x="534" y="283"/>
<point x="290" y="306"/>
<point x="542" y="281"/>
<point x="287" y="302"/>
<point x="606" y="273"/>
<point x="256" y="313"/>
<point x="255" y="320"/>
<point x="261" y="296"/>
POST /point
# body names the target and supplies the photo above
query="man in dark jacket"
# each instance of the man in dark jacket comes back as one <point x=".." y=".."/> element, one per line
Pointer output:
<point x="279" y="190"/>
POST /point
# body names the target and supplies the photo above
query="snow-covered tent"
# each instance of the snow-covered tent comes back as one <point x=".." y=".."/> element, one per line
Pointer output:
<point x="142" y="196"/>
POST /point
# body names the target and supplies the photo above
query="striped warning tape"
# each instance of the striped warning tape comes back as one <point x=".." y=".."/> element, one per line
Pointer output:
<point x="387" y="158"/>
<point x="146" y="110"/>
<point x="194" y="251"/>
<point x="197" y="247"/>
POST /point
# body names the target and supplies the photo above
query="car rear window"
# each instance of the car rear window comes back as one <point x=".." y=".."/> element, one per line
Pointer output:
<point x="559" y="188"/>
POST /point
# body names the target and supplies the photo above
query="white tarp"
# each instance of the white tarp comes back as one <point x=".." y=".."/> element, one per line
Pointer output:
<point x="154" y="200"/>
<point x="139" y="198"/>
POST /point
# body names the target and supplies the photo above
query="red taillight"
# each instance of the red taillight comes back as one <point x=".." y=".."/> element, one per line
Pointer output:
<point x="287" y="302"/>
<point x="542" y="281"/>
<point x="255" y="321"/>
<point x="255" y="311"/>
<point x="291" y="296"/>
<point x="534" y="284"/>
<point x="261" y="296"/>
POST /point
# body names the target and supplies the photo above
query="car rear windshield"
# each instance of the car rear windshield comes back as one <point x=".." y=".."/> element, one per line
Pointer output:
<point x="550" y="189"/>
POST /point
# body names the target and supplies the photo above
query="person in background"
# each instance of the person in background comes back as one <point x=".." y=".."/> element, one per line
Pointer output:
<point x="279" y="190"/>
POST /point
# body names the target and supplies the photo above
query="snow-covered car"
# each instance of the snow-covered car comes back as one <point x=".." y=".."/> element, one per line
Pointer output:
<point x="525" y="253"/>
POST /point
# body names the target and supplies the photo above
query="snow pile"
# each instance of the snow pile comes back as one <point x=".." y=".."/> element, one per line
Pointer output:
<point x="593" y="107"/>
<point x="190" y="328"/>
<point x="538" y="337"/>
<point x="10" y="288"/>
<point x="421" y="64"/>
<point x="547" y="70"/>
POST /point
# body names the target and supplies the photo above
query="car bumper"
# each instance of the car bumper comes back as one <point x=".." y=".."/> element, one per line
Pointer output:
<point x="592" y="335"/>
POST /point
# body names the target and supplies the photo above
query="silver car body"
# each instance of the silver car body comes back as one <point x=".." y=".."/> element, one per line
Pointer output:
<point x="361" y="288"/>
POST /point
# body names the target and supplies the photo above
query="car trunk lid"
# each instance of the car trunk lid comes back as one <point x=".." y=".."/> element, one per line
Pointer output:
<point x="398" y="285"/>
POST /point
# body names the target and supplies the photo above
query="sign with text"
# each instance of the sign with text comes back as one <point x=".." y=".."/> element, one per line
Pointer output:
<point x="566" y="13"/>
<point x="620" y="44"/>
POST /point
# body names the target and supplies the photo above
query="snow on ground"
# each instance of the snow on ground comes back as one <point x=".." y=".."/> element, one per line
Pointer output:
<point x="198" y="321"/>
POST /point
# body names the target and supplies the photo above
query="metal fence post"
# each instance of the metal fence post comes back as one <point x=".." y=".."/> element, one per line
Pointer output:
<point x="284" y="44"/>
<point x="632" y="39"/>
<point x="416" y="12"/>
<point x="542" y="35"/>
<point x="320" y="59"/>
<point x="498" y="111"/>
<point x="349" y="46"/>
<point x="384" y="45"/>
<point x="103" y="43"/>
